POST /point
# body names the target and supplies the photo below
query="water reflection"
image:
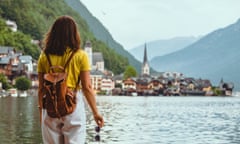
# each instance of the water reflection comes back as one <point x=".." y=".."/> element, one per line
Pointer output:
<point x="19" y="121"/>
<point x="136" y="120"/>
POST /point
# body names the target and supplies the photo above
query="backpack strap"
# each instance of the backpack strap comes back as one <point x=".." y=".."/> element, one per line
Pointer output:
<point x="49" y="61"/>
<point x="50" y="64"/>
<point x="65" y="65"/>
<point x="69" y="59"/>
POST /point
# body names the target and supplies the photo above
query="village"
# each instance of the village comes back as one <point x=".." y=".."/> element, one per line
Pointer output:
<point x="14" y="64"/>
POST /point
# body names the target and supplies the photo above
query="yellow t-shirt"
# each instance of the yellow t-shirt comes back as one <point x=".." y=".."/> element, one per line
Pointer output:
<point x="78" y="63"/>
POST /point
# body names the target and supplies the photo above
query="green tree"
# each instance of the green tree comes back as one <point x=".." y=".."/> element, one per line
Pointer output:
<point x="4" y="81"/>
<point x="23" y="83"/>
<point x="18" y="40"/>
<point x="130" y="72"/>
<point x="216" y="91"/>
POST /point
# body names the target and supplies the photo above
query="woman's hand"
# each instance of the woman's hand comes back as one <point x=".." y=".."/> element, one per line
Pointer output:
<point x="90" y="96"/>
<point x="99" y="120"/>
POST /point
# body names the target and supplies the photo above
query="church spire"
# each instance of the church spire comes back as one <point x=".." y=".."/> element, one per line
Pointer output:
<point x="145" y="66"/>
<point x="145" y="60"/>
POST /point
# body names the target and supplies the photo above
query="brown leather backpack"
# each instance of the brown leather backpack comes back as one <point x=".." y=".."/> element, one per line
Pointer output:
<point x="59" y="100"/>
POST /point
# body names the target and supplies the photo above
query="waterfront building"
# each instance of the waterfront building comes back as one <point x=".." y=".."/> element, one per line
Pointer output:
<point x="226" y="88"/>
<point x="129" y="83"/>
<point x="143" y="84"/>
<point x="96" y="80"/>
<point x="107" y="84"/>
<point x="118" y="80"/>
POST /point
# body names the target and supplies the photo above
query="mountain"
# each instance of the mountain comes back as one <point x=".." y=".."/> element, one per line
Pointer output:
<point x="214" y="56"/>
<point x="162" y="47"/>
<point x="33" y="19"/>
<point x="101" y="33"/>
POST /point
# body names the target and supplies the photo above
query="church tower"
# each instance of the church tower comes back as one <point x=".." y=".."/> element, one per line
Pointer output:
<point x="145" y="65"/>
<point x="88" y="50"/>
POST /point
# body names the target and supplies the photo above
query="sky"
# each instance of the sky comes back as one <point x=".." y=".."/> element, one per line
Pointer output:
<point x="135" y="22"/>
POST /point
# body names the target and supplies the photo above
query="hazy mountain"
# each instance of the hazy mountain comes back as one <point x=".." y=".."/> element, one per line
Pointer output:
<point x="101" y="32"/>
<point x="162" y="47"/>
<point x="215" y="56"/>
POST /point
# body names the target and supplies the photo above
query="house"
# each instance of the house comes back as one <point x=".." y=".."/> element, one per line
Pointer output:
<point x="12" y="25"/>
<point x="118" y="80"/>
<point x="129" y="84"/>
<point x="173" y="75"/>
<point x="155" y="84"/>
<point x="10" y="64"/>
<point x="5" y="50"/>
<point x="143" y="84"/>
<point x="5" y="66"/>
<point x="226" y="88"/>
<point x="13" y="63"/>
<point x="96" y="80"/>
<point x="26" y="60"/>
<point x="107" y="84"/>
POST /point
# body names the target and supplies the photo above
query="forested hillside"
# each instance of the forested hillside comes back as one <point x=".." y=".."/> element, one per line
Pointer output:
<point x="101" y="32"/>
<point x="34" y="17"/>
<point x="17" y="39"/>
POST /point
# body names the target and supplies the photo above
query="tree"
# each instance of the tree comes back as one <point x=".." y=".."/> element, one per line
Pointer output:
<point x="3" y="80"/>
<point x="130" y="72"/>
<point x="23" y="83"/>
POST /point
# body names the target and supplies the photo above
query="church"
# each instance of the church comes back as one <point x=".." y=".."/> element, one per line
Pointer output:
<point x="145" y="64"/>
<point x="95" y="58"/>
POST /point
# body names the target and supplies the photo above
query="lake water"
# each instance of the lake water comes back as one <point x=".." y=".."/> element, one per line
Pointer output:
<point x="136" y="120"/>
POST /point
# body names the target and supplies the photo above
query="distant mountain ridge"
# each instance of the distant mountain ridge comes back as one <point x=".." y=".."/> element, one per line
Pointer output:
<point x="101" y="32"/>
<point x="215" y="56"/>
<point x="162" y="47"/>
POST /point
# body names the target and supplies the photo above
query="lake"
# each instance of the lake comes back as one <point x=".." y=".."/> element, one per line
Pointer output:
<point x="136" y="120"/>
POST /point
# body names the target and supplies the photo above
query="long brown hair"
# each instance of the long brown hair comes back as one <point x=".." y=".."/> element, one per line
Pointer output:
<point x="61" y="35"/>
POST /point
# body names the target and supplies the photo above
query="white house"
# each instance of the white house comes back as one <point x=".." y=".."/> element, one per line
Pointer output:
<point x="96" y="79"/>
<point x="12" y="25"/>
<point x="26" y="60"/>
<point x="107" y="84"/>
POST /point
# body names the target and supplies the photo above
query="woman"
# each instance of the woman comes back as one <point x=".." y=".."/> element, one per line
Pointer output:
<point x="62" y="39"/>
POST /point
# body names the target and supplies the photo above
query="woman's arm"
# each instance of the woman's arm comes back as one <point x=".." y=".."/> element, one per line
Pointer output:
<point x="90" y="96"/>
<point x="40" y="93"/>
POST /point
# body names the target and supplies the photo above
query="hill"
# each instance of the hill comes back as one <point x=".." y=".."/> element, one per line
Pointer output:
<point x="162" y="47"/>
<point x="101" y="32"/>
<point x="34" y="17"/>
<point x="214" y="56"/>
<point x="17" y="40"/>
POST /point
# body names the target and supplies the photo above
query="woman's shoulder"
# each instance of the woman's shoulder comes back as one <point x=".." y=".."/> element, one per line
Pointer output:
<point x="42" y="56"/>
<point x="81" y="53"/>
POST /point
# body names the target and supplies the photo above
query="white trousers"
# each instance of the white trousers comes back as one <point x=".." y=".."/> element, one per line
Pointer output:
<point x="70" y="129"/>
